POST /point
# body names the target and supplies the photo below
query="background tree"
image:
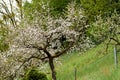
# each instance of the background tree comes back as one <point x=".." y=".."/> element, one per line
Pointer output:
<point x="57" y="7"/>
<point x="106" y="28"/>
<point x="8" y="12"/>
<point x="94" y="8"/>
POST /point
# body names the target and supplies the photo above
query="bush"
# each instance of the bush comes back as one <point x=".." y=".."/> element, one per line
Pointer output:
<point x="34" y="74"/>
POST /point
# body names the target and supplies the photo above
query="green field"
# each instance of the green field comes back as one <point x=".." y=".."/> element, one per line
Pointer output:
<point x="95" y="64"/>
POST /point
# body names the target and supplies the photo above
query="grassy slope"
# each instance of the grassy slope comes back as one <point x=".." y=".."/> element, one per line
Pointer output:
<point x="95" y="64"/>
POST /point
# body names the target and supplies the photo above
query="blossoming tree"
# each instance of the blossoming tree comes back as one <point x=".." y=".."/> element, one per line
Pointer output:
<point x="42" y="38"/>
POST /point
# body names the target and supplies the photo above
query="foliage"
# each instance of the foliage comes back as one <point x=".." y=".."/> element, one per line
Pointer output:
<point x="30" y="8"/>
<point x="3" y="35"/>
<point x="58" y="6"/>
<point x="94" y="8"/>
<point x="35" y="74"/>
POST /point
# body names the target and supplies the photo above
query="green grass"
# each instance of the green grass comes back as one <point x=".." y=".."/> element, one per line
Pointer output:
<point x="95" y="64"/>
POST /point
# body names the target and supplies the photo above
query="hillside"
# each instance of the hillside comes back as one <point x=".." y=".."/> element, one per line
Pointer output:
<point x="95" y="64"/>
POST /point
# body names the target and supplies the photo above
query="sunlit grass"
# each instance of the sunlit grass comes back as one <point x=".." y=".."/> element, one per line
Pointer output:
<point x="95" y="64"/>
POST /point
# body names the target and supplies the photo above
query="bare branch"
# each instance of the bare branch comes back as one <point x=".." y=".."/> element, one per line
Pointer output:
<point x="8" y="13"/>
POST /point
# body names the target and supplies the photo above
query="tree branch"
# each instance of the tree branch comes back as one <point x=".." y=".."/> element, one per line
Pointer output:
<point x="39" y="48"/>
<point x="115" y="40"/>
<point x="57" y="54"/>
<point x="8" y="12"/>
<point x="27" y="60"/>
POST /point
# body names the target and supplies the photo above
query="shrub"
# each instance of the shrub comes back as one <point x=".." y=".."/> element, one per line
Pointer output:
<point x="34" y="74"/>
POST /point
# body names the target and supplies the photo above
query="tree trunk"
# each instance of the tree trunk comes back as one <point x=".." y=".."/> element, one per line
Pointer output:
<point x="52" y="67"/>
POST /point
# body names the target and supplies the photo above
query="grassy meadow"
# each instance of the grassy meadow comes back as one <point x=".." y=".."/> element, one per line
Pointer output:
<point x="95" y="64"/>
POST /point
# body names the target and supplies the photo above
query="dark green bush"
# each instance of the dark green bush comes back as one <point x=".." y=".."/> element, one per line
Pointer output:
<point x="34" y="74"/>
